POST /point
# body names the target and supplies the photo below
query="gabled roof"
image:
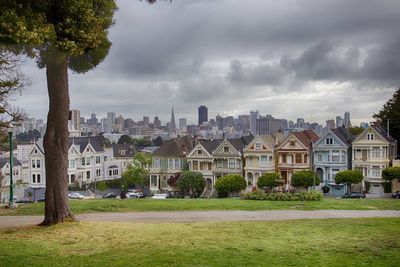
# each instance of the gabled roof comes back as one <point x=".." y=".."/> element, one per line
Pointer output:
<point x="83" y="142"/>
<point x="123" y="150"/>
<point x="240" y="143"/>
<point x="378" y="130"/>
<point x="177" y="147"/>
<point x="306" y="137"/>
<point x="210" y="146"/>
<point x="344" y="135"/>
<point x="4" y="161"/>
<point x="269" y="140"/>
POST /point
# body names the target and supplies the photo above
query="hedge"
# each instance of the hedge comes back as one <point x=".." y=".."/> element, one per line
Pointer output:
<point x="301" y="196"/>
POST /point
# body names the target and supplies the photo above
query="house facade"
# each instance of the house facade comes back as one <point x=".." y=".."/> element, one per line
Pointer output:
<point x="293" y="154"/>
<point x="259" y="157"/>
<point x="5" y="177"/>
<point x="228" y="157"/>
<point x="168" y="160"/>
<point x="372" y="151"/>
<point x="332" y="153"/>
<point x="200" y="159"/>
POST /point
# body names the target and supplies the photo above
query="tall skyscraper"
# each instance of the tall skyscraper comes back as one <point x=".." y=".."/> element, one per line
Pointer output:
<point x="339" y="121"/>
<point x="111" y="117"/>
<point x="219" y="122"/>
<point x="268" y="125"/>
<point x="157" y="122"/>
<point x="253" y="121"/>
<point x="75" y="119"/>
<point x="330" y="124"/>
<point x="347" y="122"/>
<point x="182" y="123"/>
<point x="146" y="120"/>
<point x="203" y="114"/>
<point x="172" y="125"/>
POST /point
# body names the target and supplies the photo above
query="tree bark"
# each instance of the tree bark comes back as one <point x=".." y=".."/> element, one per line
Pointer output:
<point x="56" y="144"/>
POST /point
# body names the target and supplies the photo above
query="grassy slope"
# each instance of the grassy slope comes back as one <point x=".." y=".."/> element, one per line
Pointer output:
<point x="115" y="205"/>
<point x="330" y="242"/>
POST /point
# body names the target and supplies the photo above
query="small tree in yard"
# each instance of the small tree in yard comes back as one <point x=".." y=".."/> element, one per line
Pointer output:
<point x="137" y="173"/>
<point x="192" y="183"/>
<point x="391" y="173"/>
<point x="348" y="177"/>
<point x="304" y="179"/>
<point x="229" y="184"/>
<point x="102" y="186"/>
<point x="267" y="180"/>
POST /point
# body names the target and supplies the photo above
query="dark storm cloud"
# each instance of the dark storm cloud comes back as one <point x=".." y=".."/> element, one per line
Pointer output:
<point x="240" y="55"/>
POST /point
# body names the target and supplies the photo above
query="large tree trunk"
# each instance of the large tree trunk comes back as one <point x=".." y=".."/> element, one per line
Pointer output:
<point x="56" y="144"/>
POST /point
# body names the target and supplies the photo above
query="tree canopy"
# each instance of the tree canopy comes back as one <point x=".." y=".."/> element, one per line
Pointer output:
<point x="348" y="177"/>
<point x="137" y="173"/>
<point x="391" y="173"/>
<point x="229" y="184"/>
<point x="191" y="183"/>
<point x="391" y="112"/>
<point x="305" y="179"/>
<point x="267" y="179"/>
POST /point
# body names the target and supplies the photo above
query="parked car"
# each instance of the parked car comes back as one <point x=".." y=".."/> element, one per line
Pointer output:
<point x="396" y="194"/>
<point x="354" y="195"/>
<point x="110" y="195"/>
<point x="159" y="196"/>
<point x="75" y="196"/>
<point x="134" y="194"/>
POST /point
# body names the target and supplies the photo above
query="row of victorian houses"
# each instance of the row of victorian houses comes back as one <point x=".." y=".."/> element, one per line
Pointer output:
<point x="89" y="160"/>
<point x="336" y="150"/>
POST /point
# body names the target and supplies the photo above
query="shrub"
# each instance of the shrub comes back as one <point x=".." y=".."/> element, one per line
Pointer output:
<point x="301" y="196"/>
<point x="268" y="179"/>
<point x="305" y="179"/>
<point x="348" y="177"/>
<point x="387" y="187"/>
<point x="191" y="182"/>
<point x="326" y="189"/>
<point x="391" y="173"/>
<point x="230" y="183"/>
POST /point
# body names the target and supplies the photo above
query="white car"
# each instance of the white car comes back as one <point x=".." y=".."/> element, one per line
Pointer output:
<point x="75" y="196"/>
<point x="134" y="194"/>
<point x="159" y="196"/>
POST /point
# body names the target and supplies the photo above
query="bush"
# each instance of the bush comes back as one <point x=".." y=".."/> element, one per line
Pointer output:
<point x="387" y="187"/>
<point x="191" y="182"/>
<point x="230" y="183"/>
<point x="348" y="177"/>
<point x="305" y="179"/>
<point x="301" y="196"/>
<point x="391" y="173"/>
<point x="268" y="179"/>
<point x="326" y="189"/>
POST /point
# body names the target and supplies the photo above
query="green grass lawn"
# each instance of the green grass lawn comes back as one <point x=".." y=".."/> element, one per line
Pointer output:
<point x="126" y="205"/>
<point x="327" y="242"/>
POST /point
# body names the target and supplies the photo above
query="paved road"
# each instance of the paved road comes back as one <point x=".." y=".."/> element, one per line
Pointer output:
<point x="206" y="216"/>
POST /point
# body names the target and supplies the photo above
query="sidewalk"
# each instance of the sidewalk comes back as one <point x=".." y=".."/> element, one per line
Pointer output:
<point x="206" y="216"/>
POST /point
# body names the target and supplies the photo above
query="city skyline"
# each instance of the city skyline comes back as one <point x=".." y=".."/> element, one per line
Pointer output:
<point x="254" y="60"/>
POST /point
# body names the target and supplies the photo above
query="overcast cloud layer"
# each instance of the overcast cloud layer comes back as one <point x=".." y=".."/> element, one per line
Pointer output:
<point x="313" y="59"/>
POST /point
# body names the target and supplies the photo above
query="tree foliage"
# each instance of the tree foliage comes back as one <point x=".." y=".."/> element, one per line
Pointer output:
<point x="137" y="172"/>
<point x="356" y="130"/>
<point x="229" y="184"/>
<point x="348" y="177"/>
<point x="102" y="186"/>
<point x="267" y="179"/>
<point x="391" y="112"/>
<point x="191" y="183"/>
<point x="391" y="173"/>
<point x="31" y="135"/>
<point x="305" y="179"/>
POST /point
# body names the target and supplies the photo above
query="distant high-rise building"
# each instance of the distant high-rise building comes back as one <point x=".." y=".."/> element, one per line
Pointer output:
<point x="203" y="114"/>
<point x="330" y="124"/>
<point x="146" y="121"/>
<point x="300" y="123"/>
<point x="219" y="122"/>
<point x="157" y="122"/>
<point x="268" y="125"/>
<point x="253" y="121"/>
<point x="243" y="122"/>
<point x="182" y="123"/>
<point x="172" y="124"/>
<point x="75" y="118"/>
<point x="364" y="125"/>
<point x="93" y="119"/>
<point x="339" y="121"/>
<point x="347" y="122"/>
<point x="111" y="117"/>
<point x="229" y="121"/>
<point x="106" y="126"/>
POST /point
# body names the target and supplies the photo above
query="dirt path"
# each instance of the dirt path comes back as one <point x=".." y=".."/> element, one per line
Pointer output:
<point x="206" y="216"/>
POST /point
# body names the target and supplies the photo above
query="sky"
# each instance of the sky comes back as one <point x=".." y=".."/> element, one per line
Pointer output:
<point x="313" y="59"/>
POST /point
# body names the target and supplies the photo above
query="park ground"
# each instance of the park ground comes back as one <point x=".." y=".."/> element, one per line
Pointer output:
<point x="142" y="205"/>
<point x="323" y="242"/>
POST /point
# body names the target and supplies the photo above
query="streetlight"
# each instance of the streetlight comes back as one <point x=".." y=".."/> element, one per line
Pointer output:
<point x="10" y="133"/>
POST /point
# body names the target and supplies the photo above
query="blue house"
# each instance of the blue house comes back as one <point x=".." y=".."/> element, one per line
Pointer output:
<point x="332" y="153"/>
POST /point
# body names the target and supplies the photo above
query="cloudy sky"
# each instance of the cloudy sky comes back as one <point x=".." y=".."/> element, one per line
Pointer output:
<point x="290" y="58"/>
